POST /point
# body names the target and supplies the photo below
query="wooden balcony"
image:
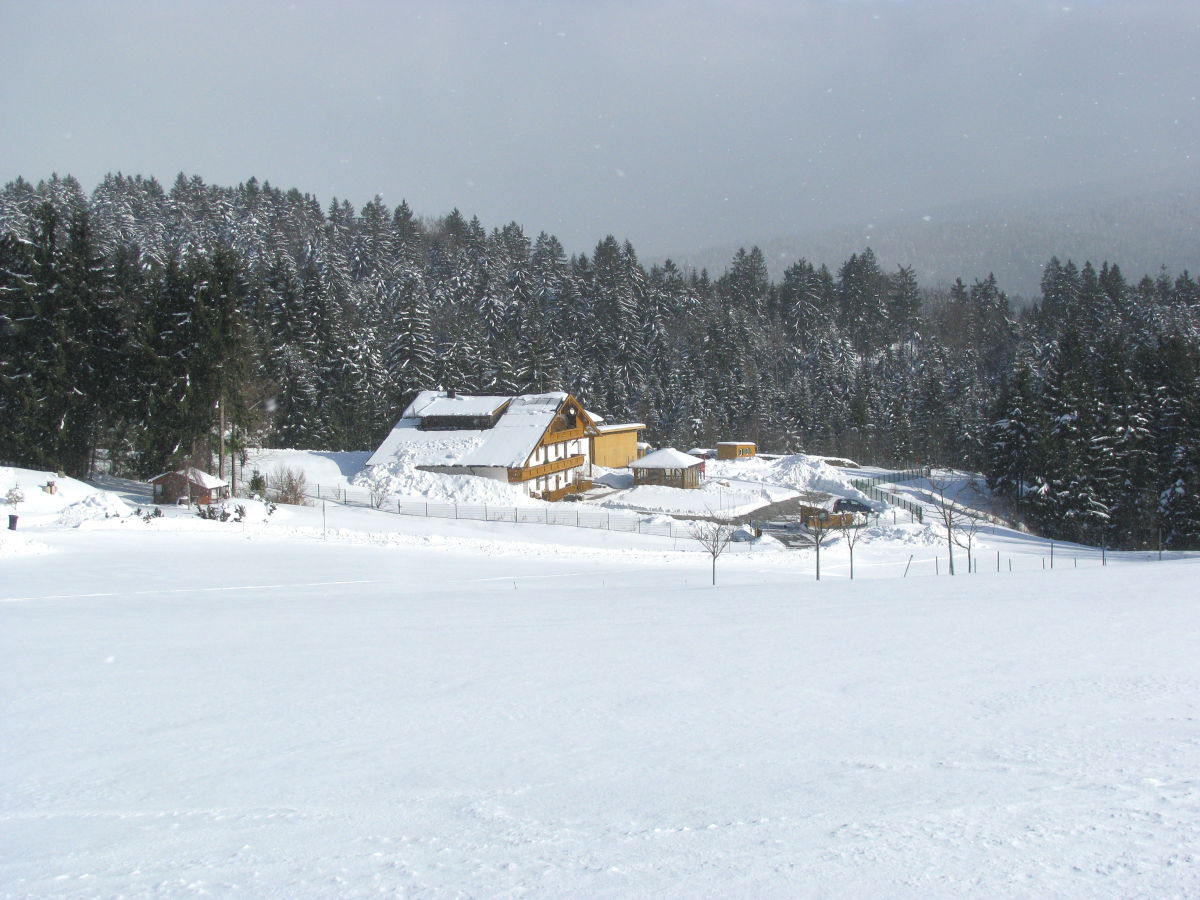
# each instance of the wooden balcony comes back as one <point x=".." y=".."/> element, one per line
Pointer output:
<point x="575" y="487"/>
<point x="558" y="465"/>
<point x="569" y="434"/>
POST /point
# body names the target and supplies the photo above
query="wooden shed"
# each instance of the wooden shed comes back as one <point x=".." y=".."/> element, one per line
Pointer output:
<point x="616" y="446"/>
<point x="736" y="449"/>
<point x="668" y="467"/>
<point x="189" y="484"/>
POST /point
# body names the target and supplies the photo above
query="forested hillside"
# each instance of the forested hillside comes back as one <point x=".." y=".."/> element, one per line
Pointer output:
<point x="133" y="319"/>
<point x="1143" y="223"/>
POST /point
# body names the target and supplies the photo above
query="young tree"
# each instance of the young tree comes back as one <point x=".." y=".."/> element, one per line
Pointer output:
<point x="820" y="526"/>
<point x="852" y="527"/>
<point x="964" y="537"/>
<point x="944" y="493"/>
<point x="714" y="537"/>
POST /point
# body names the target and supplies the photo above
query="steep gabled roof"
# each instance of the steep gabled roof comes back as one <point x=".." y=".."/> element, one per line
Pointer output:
<point x="507" y="444"/>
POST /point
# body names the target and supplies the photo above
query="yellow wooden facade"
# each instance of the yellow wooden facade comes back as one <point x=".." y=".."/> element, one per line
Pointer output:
<point x="558" y="465"/>
<point x="616" y="446"/>
<point x="736" y="449"/>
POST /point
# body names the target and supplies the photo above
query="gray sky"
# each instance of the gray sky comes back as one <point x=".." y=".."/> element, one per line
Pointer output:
<point x="678" y="125"/>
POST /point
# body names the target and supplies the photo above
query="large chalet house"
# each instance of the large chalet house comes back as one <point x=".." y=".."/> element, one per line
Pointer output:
<point x="545" y="443"/>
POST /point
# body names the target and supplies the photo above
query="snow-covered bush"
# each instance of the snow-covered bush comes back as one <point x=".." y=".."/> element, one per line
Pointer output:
<point x="14" y="496"/>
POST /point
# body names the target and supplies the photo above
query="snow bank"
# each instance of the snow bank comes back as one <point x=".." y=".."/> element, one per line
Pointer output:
<point x="725" y="498"/>
<point x="98" y="505"/>
<point x="401" y="478"/>
<point x="13" y="543"/>
<point x="320" y="467"/>
<point x="737" y="487"/>
<point x="71" y="503"/>
<point x="811" y="473"/>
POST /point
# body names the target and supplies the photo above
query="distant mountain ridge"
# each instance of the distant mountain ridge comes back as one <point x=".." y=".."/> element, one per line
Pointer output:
<point x="1141" y="229"/>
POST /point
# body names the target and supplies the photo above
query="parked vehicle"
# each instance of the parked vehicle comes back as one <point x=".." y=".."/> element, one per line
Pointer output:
<point x="845" y="504"/>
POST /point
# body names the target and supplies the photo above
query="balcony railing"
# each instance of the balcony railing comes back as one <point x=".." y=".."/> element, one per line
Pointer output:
<point x="557" y="465"/>
<point x="570" y="434"/>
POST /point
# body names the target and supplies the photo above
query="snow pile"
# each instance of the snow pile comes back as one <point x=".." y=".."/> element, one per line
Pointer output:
<point x="401" y="478"/>
<point x="97" y="505"/>
<point x="319" y="467"/>
<point x="769" y="542"/>
<point x="40" y="506"/>
<point x="723" y="498"/>
<point x="13" y="543"/>
<point x="811" y="473"/>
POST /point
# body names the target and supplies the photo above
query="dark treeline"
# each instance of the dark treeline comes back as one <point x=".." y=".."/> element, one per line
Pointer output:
<point x="134" y="319"/>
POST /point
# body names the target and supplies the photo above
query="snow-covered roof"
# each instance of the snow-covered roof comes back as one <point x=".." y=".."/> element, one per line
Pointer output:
<point x="507" y="444"/>
<point x="734" y="443"/>
<point x="440" y="404"/>
<point x="667" y="458"/>
<point x="624" y="426"/>
<point x="197" y="477"/>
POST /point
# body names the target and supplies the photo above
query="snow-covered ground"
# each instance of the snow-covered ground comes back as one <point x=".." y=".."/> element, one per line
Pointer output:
<point x="373" y="704"/>
<point x="731" y="488"/>
<point x="329" y="469"/>
<point x="735" y="487"/>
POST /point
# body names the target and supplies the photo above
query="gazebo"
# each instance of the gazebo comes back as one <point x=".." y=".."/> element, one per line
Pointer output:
<point x="668" y="467"/>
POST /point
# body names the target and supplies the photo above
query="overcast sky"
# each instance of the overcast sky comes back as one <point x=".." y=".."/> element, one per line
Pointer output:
<point x="677" y="125"/>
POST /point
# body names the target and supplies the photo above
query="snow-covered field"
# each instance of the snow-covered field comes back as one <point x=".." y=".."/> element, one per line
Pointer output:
<point x="380" y="705"/>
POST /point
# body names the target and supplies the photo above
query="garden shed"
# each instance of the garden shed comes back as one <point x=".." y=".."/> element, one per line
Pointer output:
<point x="736" y="449"/>
<point x="189" y="484"/>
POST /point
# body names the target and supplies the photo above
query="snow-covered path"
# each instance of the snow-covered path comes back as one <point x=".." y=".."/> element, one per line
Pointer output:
<point x="188" y="712"/>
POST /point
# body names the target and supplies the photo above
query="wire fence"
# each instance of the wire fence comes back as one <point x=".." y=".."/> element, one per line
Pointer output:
<point x="558" y="514"/>
<point x="870" y="487"/>
<point x="572" y="515"/>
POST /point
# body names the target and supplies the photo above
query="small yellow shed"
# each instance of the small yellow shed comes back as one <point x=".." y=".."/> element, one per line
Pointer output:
<point x="736" y="449"/>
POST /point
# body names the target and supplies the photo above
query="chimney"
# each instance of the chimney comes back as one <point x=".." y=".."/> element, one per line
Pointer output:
<point x="450" y="393"/>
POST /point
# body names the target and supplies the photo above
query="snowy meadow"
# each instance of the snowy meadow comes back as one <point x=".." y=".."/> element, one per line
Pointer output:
<point x="369" y="704"/>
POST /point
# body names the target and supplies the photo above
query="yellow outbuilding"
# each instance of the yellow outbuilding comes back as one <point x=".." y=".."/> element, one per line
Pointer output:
<point x="736" y="449"/>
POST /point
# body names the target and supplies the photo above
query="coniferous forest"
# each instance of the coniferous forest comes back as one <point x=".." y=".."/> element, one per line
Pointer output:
<point x="135" y="320"/>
